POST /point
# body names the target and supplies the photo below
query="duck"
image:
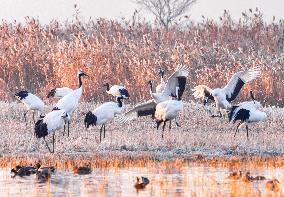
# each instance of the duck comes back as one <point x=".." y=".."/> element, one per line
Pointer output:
<point x="273" y="185"/>
<point x="141" y="185"/>
<point x="259" y="178"/>
<point x="247" y="177"/>
<point x="235" y="175"/>
<point x="39" y="167"/>
<point x="43" y="174"/>
<point x="82" y="170"/>
<point x="23" y="171"/>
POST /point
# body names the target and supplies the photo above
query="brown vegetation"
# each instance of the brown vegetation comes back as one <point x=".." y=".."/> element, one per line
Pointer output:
<point x="39" y="57"/>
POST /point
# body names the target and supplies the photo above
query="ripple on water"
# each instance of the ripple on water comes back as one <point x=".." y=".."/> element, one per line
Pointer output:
<point x="194" y="180"/>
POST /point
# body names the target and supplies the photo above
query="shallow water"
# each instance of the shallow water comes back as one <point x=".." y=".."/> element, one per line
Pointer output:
<point x="187" y="181"/>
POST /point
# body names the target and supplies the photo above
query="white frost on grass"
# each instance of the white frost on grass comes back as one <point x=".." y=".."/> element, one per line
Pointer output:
<point x="199" y="134"/>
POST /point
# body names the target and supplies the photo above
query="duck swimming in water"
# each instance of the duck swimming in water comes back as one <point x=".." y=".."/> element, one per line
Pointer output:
<point x="141" y="185"/>
<point x="82" y="170"/>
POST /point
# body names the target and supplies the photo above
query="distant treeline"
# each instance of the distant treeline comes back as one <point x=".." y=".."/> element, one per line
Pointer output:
<point x="40" y="57"/>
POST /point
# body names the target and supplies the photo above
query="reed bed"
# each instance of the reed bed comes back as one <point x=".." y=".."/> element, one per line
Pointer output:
<point x="39" y="57"/>
<point x="201" y="138"/>
<point x="114" y="160"/>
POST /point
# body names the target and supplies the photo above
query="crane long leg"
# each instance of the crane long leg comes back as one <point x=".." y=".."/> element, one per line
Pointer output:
<point x="101" y="129"/>
<point x="25" y="117"/>
<point x="170" y="125"/>
<point x="178" y="125"/>
<point x="247" y="131"/>
<point x="68" y="128"/>
<point x="64" y="129"/>
<point x="237" y="128"/>
<point x="34" y="117"/>
<point x="163" y="129"/>
<point x="158" y="123"/>
<point x="176" y="121"/>
<point x="53" y="141"/>
<point x="104" y="130"/>
<point x="46" y="145"/>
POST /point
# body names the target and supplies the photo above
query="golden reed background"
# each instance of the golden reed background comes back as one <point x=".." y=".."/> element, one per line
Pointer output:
<point x="39" y="57"/>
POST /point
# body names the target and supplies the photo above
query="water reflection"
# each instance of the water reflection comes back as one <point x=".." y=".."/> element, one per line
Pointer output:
<point x="187" y="181"/>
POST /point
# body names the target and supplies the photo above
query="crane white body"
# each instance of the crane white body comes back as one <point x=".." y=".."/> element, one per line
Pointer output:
<point x="171" y="90"/>
<point x="70" y="102"/>
<point x="59" y="92"/>
<point x="31" y="102"/>
<point x="168" y="110"/>
<point x="161" y="87"/>
<point x="171" y="85"/>
<point x="103" y="114"/>
<point x="106" y="112"/>
<point x="224" y="96"/>
<point x="117" y="91"/>
<point x="53" y="121"/>
<point x="247" y="112"/>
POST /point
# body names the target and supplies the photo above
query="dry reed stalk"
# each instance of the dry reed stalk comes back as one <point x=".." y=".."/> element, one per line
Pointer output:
<point x="39" y="57"/>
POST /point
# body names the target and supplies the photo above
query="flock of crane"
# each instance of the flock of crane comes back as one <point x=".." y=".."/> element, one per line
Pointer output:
<point x="165" y="105"/>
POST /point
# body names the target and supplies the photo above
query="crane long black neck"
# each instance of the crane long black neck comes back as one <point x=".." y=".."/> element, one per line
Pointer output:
<point x="119" y="100"/>
<point x="80" y="81"/>
<point x="107" y="86"/>
<point x="179" y="95"/>
<point x="151" y="86"/>
<point x="162" y="75"/>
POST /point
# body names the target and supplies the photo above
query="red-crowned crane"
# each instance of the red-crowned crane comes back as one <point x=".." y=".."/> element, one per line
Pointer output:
<point x="53" y="121"/>
<point x="31" y="102"/>
<point x="224" y="96"/>
<point x="247" y="112"/>
<point x="59" y="92"/>
<point x="103" y="114"/>
<point x="117" y="91"/>
<point x="170" y="109"/>
<point x="171" y="89"/>
<point x="70" y="102"/>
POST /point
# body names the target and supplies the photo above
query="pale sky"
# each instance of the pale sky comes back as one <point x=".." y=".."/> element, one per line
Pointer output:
<point x="46" y="10"/>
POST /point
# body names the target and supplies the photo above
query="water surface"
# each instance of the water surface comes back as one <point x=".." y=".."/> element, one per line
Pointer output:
<point x="187" y="181"/>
